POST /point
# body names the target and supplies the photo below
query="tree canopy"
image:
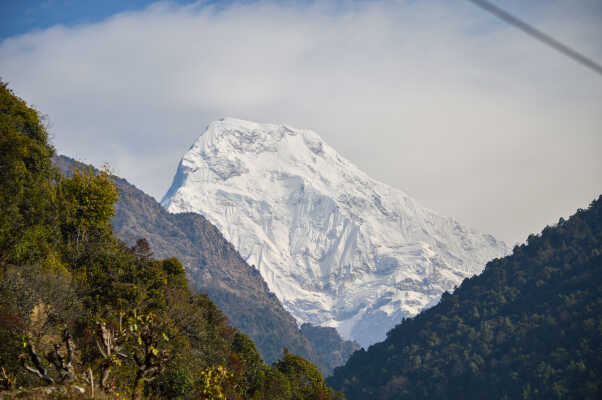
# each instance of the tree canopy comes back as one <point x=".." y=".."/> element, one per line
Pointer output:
<point x="84" y="315"/>
<point x="528" y="327"/>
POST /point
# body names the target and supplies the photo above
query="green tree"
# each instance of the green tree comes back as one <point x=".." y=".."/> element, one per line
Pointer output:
<point x="26" y="184"/>
<point x="80" y="310"/>
<point x="248" y="364"/>
<point x="306" y="381"/>
<point x="176" y="274"/>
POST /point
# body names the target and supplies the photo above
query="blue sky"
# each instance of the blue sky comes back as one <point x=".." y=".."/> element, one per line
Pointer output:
<point x="22" y="16"/>
<point x="435" y="97"/>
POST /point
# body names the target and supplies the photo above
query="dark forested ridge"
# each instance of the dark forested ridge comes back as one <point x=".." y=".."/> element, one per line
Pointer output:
<point x="216" y="268"/>
<point x="528" y="327"/>
<point x="85" y="315"/>
<point x="327" y="342"/>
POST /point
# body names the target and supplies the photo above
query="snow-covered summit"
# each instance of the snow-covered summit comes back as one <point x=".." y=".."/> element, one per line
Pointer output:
<point x="337" y="247"/>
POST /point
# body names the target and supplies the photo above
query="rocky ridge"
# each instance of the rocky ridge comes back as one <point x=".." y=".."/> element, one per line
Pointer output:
<point x="214" y="267"/>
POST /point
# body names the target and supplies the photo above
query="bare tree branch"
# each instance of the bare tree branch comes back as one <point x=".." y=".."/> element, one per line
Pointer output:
<point x="38" y="368"/>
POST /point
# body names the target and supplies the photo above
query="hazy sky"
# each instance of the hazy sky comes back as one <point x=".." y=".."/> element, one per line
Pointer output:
<point x="466" y="114"/>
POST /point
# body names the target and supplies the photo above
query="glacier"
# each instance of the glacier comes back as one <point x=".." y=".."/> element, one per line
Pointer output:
<point x="337" y="248"/>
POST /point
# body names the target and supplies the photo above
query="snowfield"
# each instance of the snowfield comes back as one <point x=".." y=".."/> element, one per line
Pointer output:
<point x="337" y="247"/>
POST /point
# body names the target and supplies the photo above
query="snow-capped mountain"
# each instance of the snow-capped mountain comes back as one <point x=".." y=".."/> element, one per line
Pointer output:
<point x="337" y="247"/>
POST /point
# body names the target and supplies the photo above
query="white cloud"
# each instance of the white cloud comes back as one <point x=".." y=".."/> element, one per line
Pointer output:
<point x="467" y="115"/>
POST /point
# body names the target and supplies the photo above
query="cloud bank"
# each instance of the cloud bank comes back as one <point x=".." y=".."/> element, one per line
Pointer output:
<point x="437" y="98"/>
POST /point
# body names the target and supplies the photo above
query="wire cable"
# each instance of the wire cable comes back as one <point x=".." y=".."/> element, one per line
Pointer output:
<point x="539" y="35"/>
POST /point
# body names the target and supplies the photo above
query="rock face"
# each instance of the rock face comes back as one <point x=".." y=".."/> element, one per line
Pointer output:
<point x="338" y="248"/>
<point x="215" y="267"/>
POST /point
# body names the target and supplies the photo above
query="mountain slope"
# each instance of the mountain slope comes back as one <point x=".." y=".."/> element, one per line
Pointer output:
<point x="338" y="248"/>
<point x="327" y="342"/>
<point x="84" y="316"/>
<point x="530" y="326"/>
<point x="214" y="267"/>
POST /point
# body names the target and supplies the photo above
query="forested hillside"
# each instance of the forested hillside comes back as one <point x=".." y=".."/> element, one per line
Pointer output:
<point x="84" y="315"/>
<point x="215" y="268"/>
<point x="528" y="327"/>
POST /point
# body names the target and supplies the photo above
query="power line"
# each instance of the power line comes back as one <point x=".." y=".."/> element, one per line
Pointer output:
<point x="539" y="35"/>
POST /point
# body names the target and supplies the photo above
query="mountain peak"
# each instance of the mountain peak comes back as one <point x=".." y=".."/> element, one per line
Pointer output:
<point x="337" y="247"/>
<point x="239" y="136"/>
